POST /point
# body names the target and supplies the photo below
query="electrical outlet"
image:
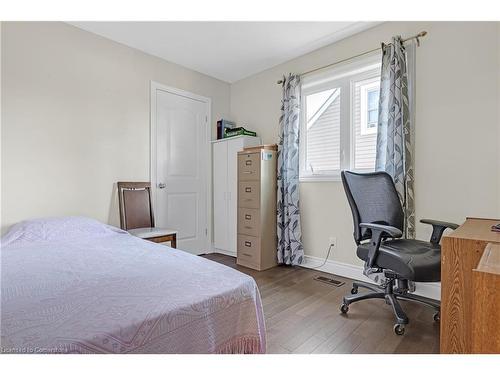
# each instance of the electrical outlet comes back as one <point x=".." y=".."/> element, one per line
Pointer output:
<point x="332" y="241"/>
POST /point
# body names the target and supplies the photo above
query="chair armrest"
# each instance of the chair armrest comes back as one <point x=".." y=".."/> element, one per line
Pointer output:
<point x="438" y="227"/>
<point x="391" y="231"/>
<point x="378" y="231"/>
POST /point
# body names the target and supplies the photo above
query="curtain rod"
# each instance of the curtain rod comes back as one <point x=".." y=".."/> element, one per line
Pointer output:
<point x="419" y="35"/>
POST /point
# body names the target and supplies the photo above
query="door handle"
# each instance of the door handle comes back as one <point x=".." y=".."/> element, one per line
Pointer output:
<point x="162" y="185"/>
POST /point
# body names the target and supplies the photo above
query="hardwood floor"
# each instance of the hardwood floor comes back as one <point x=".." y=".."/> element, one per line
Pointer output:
<point x="302" y="316"/>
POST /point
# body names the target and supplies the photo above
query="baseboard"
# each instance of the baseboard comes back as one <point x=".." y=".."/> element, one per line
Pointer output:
<point x="429" y="290"/>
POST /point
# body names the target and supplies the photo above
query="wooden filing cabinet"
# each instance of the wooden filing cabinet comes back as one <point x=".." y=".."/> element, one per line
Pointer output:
<point x="257" y="239"/>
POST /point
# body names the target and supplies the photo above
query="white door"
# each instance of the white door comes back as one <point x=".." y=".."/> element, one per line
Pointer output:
<point x="180" y="161"/>
<point x="233" y="148"/>
<point x="225" y="178"/>
<point x="220" y="195"/>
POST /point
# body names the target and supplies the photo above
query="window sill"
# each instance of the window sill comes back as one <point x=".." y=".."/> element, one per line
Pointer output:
<point x="319" y="178"/>
<point x="335" y="177"/>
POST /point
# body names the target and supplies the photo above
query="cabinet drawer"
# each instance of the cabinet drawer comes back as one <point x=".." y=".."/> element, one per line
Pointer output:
<point x="249" y="221"/>
<point x="249" y="167"/>
<point x="249" y="249"/>
<point x="249" y="194"/>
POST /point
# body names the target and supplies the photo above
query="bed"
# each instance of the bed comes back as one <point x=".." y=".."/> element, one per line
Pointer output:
<point x="74" y="285"/>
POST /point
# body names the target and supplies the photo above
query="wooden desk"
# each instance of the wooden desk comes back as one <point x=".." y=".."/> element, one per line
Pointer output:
<point x="461" y="252"/>
<point x="486" y="303"/>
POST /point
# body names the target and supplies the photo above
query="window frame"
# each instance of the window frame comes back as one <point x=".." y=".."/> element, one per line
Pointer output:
<point x="365" y="89"/>
<point x="343" y="76"/>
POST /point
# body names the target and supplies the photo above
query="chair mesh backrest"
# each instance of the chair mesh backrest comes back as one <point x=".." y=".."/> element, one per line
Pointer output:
<point x="373" y="199"/>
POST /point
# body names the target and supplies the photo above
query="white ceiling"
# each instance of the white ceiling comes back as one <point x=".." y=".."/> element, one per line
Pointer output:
<point x="229" y="51"/>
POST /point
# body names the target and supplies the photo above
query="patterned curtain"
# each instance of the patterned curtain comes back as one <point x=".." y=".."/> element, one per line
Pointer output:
<point x="394" y="137"/>
<point x="290" y="250"/>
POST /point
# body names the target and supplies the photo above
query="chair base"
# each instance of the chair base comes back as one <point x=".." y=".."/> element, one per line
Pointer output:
<point x="391" y="298"/>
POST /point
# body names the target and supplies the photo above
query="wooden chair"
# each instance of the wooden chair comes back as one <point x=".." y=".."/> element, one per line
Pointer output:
<point x="136" y="213"/>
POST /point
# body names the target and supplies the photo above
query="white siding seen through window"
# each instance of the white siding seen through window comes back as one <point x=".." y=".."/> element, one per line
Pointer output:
<point x="323" y="133"/>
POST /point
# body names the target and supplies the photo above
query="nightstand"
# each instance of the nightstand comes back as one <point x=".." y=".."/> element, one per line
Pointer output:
<point x="156" y="235"/>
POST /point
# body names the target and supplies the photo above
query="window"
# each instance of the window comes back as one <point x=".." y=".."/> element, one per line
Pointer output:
<point x="339" y="120"/>
<point x="369" y="92"/>
<point x="365" y="121"/>
<point x="323" y="130"/>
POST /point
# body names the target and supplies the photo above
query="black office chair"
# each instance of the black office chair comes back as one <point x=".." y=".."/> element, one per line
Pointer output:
<point x="378" y="224"/>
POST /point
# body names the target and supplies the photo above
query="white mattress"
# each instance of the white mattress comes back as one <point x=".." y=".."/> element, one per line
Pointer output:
<point x="73" y="285"/>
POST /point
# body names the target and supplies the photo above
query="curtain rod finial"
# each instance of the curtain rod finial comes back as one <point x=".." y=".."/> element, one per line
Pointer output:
<point x="422" y="33"/>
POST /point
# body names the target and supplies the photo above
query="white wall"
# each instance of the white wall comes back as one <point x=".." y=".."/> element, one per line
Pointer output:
<point x="75" y="118"/>
<point x="457" y="165"/>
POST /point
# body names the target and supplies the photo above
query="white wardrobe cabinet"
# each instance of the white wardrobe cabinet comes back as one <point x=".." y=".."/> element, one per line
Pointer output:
<point x="225" y="190"/>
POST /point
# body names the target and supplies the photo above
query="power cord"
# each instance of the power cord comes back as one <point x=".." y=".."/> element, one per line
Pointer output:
<point x="327" y="256"/>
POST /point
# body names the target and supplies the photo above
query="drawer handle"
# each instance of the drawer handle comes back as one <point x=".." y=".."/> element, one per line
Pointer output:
<point x="248" y="217"/>
<point x="247" y="227"/>
<point x="247" y="255"/>
<point x="247" y="172"/>
<point x="248" y="244"/>
<point x="248" y="162"/>
<point x="248" y="190"/>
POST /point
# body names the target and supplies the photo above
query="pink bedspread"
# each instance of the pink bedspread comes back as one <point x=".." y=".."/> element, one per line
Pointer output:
<point x="73" y="285"/>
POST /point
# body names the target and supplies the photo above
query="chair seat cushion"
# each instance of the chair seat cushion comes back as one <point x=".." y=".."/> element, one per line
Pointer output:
<point x="411" y="259"/>
<point x="149" y="232"/>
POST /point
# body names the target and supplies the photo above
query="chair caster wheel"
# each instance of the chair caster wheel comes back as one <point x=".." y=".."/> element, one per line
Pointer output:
<point x="344" y="308"/>
<point x="436" y="316"/>
<point x="354" y="290"/>
<point x="399" y="329"/>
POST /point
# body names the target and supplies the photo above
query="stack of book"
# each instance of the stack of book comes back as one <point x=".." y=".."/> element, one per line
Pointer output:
<point x="238" y="131"/>
<point x="222" y="126"/>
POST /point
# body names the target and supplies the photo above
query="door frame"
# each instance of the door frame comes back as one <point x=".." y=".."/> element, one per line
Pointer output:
<point x="155" y="86"/>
